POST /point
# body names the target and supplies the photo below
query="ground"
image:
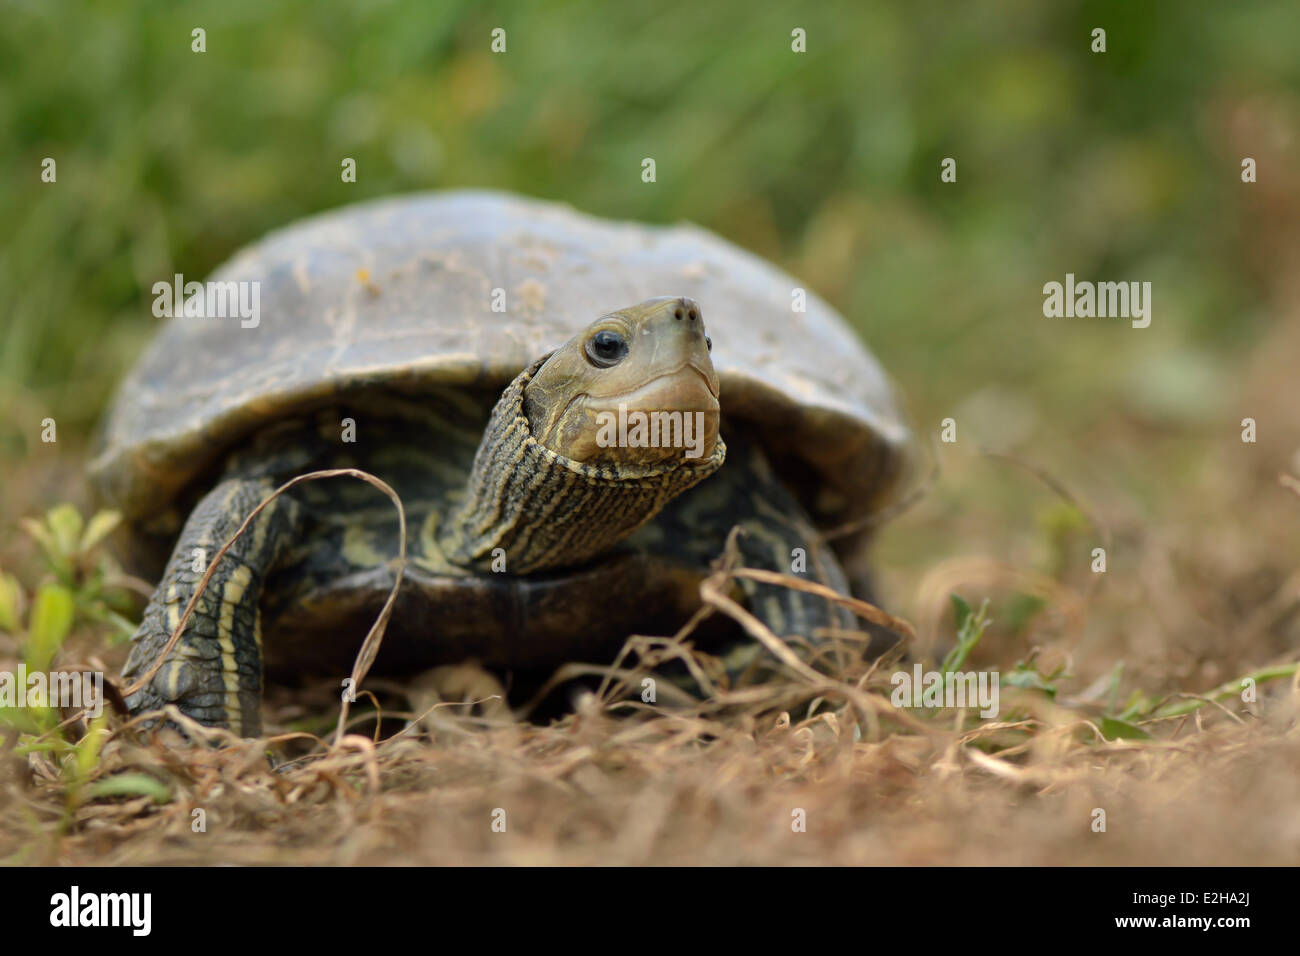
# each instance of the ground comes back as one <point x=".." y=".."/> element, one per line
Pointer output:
<point x="1123" y="761"/>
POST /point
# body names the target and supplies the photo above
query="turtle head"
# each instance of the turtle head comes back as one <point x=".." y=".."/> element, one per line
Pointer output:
<point x="635" y="387"/>
<point x="590" y="442"/>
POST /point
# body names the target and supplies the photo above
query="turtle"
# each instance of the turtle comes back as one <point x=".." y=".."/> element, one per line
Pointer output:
<point x="573" y="446"/>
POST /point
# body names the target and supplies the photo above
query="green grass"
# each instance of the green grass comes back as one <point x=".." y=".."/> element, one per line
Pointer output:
<point x="1110" y="165"/>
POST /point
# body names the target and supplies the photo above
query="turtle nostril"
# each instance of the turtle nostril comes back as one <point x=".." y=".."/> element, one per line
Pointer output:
<point x="686" y="308"/>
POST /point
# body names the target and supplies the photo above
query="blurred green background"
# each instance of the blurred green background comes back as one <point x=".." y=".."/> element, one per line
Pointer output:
<point x="1115" y="166"/>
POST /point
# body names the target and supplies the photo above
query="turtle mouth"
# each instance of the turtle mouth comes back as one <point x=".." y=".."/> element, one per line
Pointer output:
<point x="672" y="416"/>
<point x="684" y="389"/>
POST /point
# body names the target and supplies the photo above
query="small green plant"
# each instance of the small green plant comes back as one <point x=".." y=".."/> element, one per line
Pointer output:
<point x="78" y="590"/>
<point x="48" y="624"/>
<point x="1027" y="674"/>
<point x="74" y="554"/>
<point x="971" y="626"/>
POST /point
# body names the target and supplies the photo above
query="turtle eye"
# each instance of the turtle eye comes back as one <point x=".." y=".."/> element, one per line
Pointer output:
<point x="606" y="348"/>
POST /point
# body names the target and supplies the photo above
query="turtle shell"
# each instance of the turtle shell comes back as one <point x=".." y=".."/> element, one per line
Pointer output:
<point x="469" y="287"/>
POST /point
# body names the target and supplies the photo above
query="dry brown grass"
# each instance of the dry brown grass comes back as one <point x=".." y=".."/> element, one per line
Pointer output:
<point x="620" y="784"/>
<point x="620" y="781"/>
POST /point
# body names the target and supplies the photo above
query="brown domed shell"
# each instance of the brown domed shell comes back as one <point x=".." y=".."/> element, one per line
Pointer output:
<point x="403" y="291"/>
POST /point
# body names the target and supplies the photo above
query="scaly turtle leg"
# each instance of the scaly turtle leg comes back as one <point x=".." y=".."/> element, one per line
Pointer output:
<point x="776" y="534"/>
<point x="214" y="673"/>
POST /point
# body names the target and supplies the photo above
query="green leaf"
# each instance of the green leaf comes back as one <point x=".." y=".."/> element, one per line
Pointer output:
<point x="1116" y="674"/>
<point x="99" y="528"/>
<point x="130" y="785"/>
<point x="1022" y="609"/>
<point x="123" y="629"/>
<point x="1028" y="678"/>
<point x="960" y="609"/>
<point x="10" y="596"/>
<point x="42" y="536"/>
<point x="1138" y="705"/>
<point x="89" y="746"/>
<point x="1112" y="728"/>
<point x="1061" y="518"/>
<point x="970" y="628"/>
<point x="20" y="719"/>
<point x="1232" y="689"/>
<point x="52" y="613"/>
<point x="34" y="742"/>
<point x="54" y="554"/>
<point x="65" y="522"/>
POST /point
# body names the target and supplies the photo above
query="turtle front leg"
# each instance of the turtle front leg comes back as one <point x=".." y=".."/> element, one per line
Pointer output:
<point x="778" y="536"/>
<point x="788" y="544"/>
<point x="775" y="534"/>
<point x="214" y="672"/>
